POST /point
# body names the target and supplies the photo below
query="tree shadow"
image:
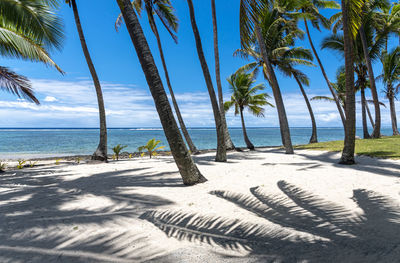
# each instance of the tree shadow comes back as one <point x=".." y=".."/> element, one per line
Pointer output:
<point x="48" y="216"/>
<point x="307" y="228"/>
<point x="363" y="163"/>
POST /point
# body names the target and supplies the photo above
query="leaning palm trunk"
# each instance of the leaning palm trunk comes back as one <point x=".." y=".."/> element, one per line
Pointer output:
<point x="221" y="147"/>
<point x="393" y="115"/>
<point x="314" y="138"/>
<point x="283" y="122"/>
<point x="334" y="95"/>
<point x="364" y="114"/>
<point x="185" y="132"/>
<point x="377" y="128"/>
<point x="350" y="126"/>
<point x="101" y="152"/>
<point x="187" y="168"/>
<point x="370" y="115"/>
<point x="249" y="145"/>
<point x="228" y="141"/>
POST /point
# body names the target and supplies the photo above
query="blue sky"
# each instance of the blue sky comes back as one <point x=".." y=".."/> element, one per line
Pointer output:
<point x="69" y="100"/>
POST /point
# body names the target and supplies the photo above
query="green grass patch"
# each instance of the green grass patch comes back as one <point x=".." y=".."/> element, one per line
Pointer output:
<point x="385" y="147"/>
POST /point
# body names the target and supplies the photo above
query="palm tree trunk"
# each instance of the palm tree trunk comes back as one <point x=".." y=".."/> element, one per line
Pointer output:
<point x="185" y="132"/>
<point x="187" y="168"/>
<point x="350" y="126"/>
<point x="228" y="141"/>
<point x="393" y="115"/>
<point x="377" y="129"/>
<point x="314" y="138"/>
<point x="221" y="147"/>
<point x="339" y="107"/>
<point x="101" y="151"/>
<point x="364" y="114"/>
<point x="283" y="122"/>
<point x="249" y="145"/>
<point x="370" y="115"/>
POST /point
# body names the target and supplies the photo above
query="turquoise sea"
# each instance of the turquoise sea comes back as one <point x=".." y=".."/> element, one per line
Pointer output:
<point x="39" y="142"/>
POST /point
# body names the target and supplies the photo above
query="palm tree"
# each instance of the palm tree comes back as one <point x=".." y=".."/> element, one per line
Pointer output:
<point x="101" y="151"/>
<point x="256" y="21"/>
<point x="164" y="10"/>
<point x="221" y="147"/>
<point x="310" y="9"/>
<point x="29" y="30"/>
<point x="391" y="78"/>
<point x="349" y="22"/>
<point x="244" y="95"/>
<point x="187" y="168"/>
<point x="389" y="21"/>
<point x="284" y="57"/>
<point x="228" y="141"/>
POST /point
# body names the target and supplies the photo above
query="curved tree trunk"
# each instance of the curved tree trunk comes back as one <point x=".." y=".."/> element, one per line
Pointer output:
<point x="393" y="115"/>
<point x="339" y="107"/>
<point x="187" y="168"/>
<point x="314" y="137"/>
<point x="364" y="114"/>
<point x="283" y="122"/>
<point x="221" y="147"/>
<point x="249" y="145"/>
<point x="377" y="129"/>
<point x="185" y="132"/>
<point x="350" y="127"/>
<point x="101" y="151"/>
<point x="370" y="115"/>
<point x="228" y="141"/>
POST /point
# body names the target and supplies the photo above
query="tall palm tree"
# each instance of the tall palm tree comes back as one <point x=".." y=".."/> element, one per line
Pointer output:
<point x="257" y="19"/>
<point x="187" y="168"/>
<point x="245" y="95"/>
<point x="388" y="21"/>
<point x="165" y="11"/>
<point x="310" y="9"/>
<point x="349" y="11"/>
<point x="228" y="141"/>
<point x="284" y="57"/>
<point x="101" y="151"/>
<point x="221" y="147"/>
<point x="391" y="78"/>
<point x="29" y="31"/>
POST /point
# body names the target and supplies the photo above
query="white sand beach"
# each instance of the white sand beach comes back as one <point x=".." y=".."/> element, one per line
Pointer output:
<point x="261" y="206"/>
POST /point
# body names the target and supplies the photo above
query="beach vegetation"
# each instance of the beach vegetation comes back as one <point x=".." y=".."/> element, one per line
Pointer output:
<point x="117" y="150"/>
<point x="151" y="147"/>
<point x="246" y="96"/>
<point x="21" y="164"/>
<point x="130" y="155"/>
<point x="78" y="160"/>
<point x="32" y="163"/>
<point x="58" y="161"/>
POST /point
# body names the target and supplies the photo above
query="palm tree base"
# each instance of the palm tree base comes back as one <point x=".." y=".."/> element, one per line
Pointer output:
<point x="313" y="140"/>
<point x="99" y="156"/>
<point x="347" y="161"/>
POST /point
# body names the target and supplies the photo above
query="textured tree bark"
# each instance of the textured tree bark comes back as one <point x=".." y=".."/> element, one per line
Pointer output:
<point x="101" y="151"/>
<point x="228" y="141"/>
<point x="249" y="145"/>
<point x="283" y="122"/>
<point x="377" y="129"/>
<point x="185" y="132"/>
<point x="334" y="95"/>
<point x="221" y="147"/>
<point x="364" y="114"/>
<point x="187" y="168"/>
<point x="350" y="127"/>
<point x="393" y="115"/>
<point x="314" y="137"/>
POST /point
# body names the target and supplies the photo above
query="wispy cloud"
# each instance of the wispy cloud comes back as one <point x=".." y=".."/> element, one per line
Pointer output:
<point x="74" y="104"/>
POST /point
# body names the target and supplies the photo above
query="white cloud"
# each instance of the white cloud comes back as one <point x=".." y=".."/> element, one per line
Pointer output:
<point x="50" y="99"/>
<point x="131" y="106"/>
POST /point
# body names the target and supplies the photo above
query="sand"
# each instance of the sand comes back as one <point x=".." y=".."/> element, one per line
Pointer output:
<point x="261" y="206"/>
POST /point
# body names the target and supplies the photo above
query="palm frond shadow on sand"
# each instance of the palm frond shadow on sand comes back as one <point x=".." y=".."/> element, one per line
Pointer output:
<point x="307" y="227"/>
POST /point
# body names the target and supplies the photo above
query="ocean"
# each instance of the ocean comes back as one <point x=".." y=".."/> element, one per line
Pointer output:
<point x="49" y="142"/>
